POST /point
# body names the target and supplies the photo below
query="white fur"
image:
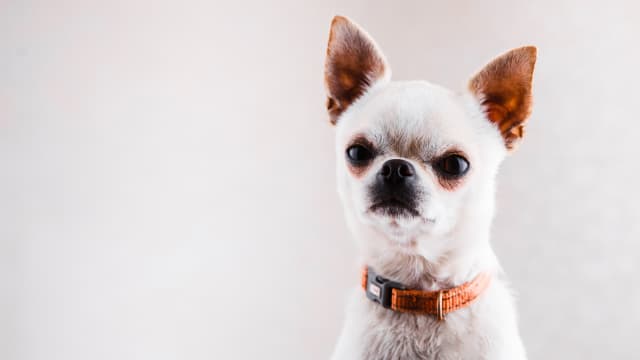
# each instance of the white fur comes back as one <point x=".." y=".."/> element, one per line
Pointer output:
<point x="447" y="246"/>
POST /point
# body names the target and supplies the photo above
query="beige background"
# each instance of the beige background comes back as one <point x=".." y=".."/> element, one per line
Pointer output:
<point x="167" y="173"/>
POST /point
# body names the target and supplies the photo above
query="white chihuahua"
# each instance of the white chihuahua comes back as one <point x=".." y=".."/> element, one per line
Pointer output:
<point x="416" y="169"/>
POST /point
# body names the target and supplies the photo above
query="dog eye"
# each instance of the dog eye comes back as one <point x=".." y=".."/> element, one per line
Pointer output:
<point x="359" y="154"/>
<point x="453" y="165"/>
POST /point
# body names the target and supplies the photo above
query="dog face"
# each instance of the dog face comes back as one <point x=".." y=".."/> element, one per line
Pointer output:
<point x="416" y="162"/>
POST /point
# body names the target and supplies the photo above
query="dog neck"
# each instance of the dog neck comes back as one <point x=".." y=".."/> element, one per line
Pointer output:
<point x="458" y="260"/>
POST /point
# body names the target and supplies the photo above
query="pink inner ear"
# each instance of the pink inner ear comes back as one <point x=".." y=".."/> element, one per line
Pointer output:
<point x="353" y="63"/>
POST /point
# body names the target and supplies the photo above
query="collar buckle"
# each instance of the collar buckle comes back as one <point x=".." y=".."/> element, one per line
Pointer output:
<point x="379" y="289"/>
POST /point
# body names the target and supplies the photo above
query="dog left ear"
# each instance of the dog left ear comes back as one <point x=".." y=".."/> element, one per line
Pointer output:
<point x="503" y="87"/>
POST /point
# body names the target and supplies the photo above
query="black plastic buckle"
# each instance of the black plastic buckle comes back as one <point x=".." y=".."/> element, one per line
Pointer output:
<point x="379" y="288"/>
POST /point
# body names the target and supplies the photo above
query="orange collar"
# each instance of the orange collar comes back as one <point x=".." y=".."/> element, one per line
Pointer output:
<point x="395" y="296"/>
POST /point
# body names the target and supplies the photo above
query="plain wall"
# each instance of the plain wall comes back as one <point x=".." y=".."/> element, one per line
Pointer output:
<point x="167" y="173"/>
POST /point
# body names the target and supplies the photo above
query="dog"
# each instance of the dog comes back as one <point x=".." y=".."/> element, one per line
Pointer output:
<point x="416" y="168"/>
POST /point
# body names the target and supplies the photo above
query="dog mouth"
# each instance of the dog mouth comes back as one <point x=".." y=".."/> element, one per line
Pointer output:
<point x="394" y="208"/>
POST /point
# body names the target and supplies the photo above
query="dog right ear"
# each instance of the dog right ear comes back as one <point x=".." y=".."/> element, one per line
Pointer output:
<point x="352" y="66"/>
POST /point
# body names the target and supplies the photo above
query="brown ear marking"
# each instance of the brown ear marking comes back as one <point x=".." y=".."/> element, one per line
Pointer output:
<point x="504" y="89"/>
<point x="353" y="63"/>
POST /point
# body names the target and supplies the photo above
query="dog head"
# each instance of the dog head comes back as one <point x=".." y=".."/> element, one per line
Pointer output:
<point x="416" y="162"/>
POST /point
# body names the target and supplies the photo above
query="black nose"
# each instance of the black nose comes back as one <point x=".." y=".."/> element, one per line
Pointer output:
<point x="396" y="171"/>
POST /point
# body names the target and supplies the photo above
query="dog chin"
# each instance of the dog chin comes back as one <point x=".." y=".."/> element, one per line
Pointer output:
<point x="400" y="224"/>
<point x="397" y="220"/>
